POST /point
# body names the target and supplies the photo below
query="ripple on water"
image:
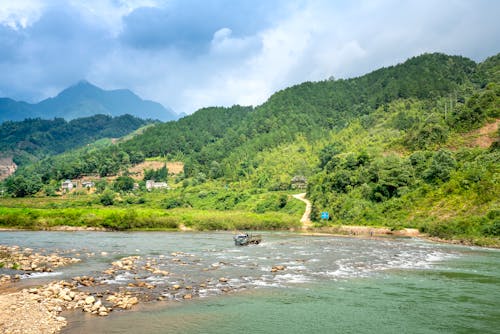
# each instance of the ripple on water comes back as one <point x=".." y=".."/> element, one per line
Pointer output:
<point x="40" y="275"/>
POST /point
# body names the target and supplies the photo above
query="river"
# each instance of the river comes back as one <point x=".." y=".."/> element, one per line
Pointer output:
<point x="329" y="284"/>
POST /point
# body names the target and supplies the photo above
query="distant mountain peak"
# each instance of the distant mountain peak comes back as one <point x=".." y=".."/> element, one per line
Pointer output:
<point x="83" y="82"/>
<point x="81" y="85"/>
<point x="84" y="99"/>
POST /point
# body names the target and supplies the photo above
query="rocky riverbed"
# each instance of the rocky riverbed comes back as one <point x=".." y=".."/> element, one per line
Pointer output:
<point x="38" y="309"/>
<point x="100" y="273"/>
<point x="127" y="282"/>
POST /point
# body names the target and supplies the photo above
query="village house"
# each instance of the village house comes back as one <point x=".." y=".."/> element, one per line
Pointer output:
<point x="150" y="185"/>
<point x="67" y="185"/>
<point x="88" y="184"/>
<point x="299" y="182"/>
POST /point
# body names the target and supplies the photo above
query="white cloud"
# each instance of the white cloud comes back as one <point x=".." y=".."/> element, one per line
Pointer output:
<point x="233" y="60"/>
<point x="21" y="13"/>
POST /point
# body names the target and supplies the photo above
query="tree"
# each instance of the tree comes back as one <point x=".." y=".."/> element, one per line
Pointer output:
<point x="442" y="164"/>
<point x="107" y="198"/>
<point x="21" y="186"/>
<point x="393" y="174"/>
<point x="124" y="183"/>
<point x="328" y="153"/>
<point x="160" y="174"/>
<point x="215" y="170"/>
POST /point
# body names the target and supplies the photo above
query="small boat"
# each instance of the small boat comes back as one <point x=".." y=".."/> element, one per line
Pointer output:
<point x="244" y="239"/>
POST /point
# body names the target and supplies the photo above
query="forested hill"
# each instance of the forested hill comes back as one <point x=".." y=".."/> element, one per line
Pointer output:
<point x="310" y="108"/>
<point x="232" y="137"/>
<point x="31" y="139"/>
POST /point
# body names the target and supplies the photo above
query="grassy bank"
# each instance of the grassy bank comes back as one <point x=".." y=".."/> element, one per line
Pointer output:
<point x="144" y="218"/>
<point x="221" y="207"/>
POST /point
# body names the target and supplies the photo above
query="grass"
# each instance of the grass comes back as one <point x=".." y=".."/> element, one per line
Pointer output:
<point x="46" y="215"/>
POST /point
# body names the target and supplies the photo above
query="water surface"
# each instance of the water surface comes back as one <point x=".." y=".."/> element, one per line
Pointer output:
<point x="330" y="284"/>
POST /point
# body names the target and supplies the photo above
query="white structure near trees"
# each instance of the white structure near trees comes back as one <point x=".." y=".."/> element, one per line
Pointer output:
<point x="67" y="185"/>
<point x="151" y="184"/>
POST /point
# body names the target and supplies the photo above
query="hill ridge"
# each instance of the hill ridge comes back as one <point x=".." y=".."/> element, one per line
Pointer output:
<point x="83" y="99"/>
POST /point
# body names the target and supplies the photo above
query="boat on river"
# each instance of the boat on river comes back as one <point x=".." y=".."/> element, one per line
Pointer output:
<point x="244" y="239"/>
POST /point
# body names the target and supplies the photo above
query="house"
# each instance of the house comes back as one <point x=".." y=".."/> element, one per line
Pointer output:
<point x="299" y="182"/>
<point x="67" y="185"/>
<point x="151" y="184"/>
<point x="88" y="184"/>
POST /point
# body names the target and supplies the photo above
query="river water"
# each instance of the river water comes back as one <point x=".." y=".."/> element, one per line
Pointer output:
<point x="329" y="285"/>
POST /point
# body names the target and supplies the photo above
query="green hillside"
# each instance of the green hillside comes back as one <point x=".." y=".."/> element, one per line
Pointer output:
<point x="411" y="145"/>
<point x="32" y="139"/>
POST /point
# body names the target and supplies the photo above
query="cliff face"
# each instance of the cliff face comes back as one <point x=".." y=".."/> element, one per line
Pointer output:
<point x="7" y="167"/>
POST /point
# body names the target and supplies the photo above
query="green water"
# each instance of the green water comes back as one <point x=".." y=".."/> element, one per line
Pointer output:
<point x="331" y="284"/>
<point x="449" y="301"/>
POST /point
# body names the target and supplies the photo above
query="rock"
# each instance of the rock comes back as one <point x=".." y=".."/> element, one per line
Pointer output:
<point x="89" y="300"/>
<point x="96" y="305"/>
<point x="277" y="268"/>
<point x="66" y="298"/>
<point x="118" y="264"/>
<point x="223" y="280"/>
<point x="187" y="296"/>
<point x="122" y="301"/>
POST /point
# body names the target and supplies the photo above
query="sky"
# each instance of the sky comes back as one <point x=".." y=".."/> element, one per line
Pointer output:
<point x="189" y="54"/>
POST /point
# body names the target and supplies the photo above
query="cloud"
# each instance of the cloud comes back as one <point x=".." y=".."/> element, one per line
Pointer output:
<point x="189" y="54"/>
<point x="19" y="14"/>
<point x="57" y="49"/>
<point x="188" y="25"/>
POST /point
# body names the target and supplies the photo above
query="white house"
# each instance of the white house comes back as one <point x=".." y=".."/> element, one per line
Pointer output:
<point x="88" y="184"/>
<point x="67" y="185"/>
<point x="150" y="185"/>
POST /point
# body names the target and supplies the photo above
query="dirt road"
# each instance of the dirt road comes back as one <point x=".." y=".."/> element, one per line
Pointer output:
<point x="305" y="220"/>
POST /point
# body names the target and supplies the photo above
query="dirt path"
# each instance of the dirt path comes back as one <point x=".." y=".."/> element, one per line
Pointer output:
<point x="305" y="220"/>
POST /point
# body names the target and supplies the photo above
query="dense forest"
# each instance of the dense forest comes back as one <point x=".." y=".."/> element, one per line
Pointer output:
<point x="399" y="147"/>
<point x="32" y="139"/>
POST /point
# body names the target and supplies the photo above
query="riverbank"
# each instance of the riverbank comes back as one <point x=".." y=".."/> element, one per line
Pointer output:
<point x="369" y="232"/>
<point x="33" y="310"/>
<point x="38" y="309"/>
<point x="22" y="313"/>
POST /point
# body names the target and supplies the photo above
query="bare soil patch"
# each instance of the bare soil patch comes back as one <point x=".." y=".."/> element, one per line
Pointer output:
<point x="484" y="136"/>
<point x="137" y="171"/>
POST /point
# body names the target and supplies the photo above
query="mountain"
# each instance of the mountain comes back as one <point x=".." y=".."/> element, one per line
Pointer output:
<point x="83" y="100"/>
<point x="11" y="110"/>
<point x="411" y="145"/>
<point x="311" y="109"/>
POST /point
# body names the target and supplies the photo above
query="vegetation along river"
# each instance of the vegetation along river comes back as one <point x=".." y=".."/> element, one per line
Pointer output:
<point x="323" y="284"/>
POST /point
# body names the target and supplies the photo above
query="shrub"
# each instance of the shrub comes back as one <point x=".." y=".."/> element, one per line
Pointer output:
<point x="442" y="164"/>
<point x="107" y="198"/>
<point x="124" y="183"/>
